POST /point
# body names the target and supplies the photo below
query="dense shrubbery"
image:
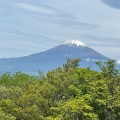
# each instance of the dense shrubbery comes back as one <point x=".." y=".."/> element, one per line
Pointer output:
<point x="66" y="93"/>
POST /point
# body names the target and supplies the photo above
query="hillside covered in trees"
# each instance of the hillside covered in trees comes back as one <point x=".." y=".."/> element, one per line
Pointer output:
<point x="66" y="93"/>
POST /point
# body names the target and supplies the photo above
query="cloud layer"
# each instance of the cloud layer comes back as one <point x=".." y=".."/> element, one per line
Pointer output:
<point x="33" y="26"/>
<point x="112" y="3"/>
<point x="43" y="10"/>
<point x="118" y="61"/>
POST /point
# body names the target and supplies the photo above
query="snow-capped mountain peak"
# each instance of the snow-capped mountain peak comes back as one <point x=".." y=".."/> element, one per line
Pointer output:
<point x="75" y="42"/>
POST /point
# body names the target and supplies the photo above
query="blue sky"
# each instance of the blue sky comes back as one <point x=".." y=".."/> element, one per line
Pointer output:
<point x="32" y="26"/>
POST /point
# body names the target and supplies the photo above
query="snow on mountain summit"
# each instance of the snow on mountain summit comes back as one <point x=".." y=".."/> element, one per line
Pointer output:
<point x="75" y="42"/>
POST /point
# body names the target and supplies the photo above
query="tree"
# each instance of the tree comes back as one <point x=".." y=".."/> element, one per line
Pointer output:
<point x="65" y="93"/>
<point x="71" y="63"/>
<point x="110" y="75"/>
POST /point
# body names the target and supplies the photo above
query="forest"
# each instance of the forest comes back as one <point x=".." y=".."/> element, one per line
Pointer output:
<point x="68" y="92"/>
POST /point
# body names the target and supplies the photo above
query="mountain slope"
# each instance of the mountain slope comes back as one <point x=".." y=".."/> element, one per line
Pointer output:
<point x="53" y="58"/>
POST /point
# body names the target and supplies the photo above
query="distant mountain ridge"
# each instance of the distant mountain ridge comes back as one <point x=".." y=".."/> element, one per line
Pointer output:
<point x="52" y="58"/>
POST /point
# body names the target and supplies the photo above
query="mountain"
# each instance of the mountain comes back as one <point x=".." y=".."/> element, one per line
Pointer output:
<point x="52" y="58"/>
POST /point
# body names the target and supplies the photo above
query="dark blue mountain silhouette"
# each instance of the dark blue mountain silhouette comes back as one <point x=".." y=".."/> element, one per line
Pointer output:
<point x="53" y="58"/>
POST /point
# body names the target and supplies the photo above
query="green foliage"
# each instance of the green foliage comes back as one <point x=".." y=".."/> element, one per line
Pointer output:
<point x="71" y="63"/>
<point x="66" y="93"/>
<point x="17" y="79"/>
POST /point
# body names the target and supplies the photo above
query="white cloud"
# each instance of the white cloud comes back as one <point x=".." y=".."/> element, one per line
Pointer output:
<point x="93" y="60"/>
<point x="88" y="59"/>
<point x="118" y="61"/>
<point x="35" y="8"/>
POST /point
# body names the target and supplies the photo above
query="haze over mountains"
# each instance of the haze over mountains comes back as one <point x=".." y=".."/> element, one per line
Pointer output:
<point x="53" y="58"/>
